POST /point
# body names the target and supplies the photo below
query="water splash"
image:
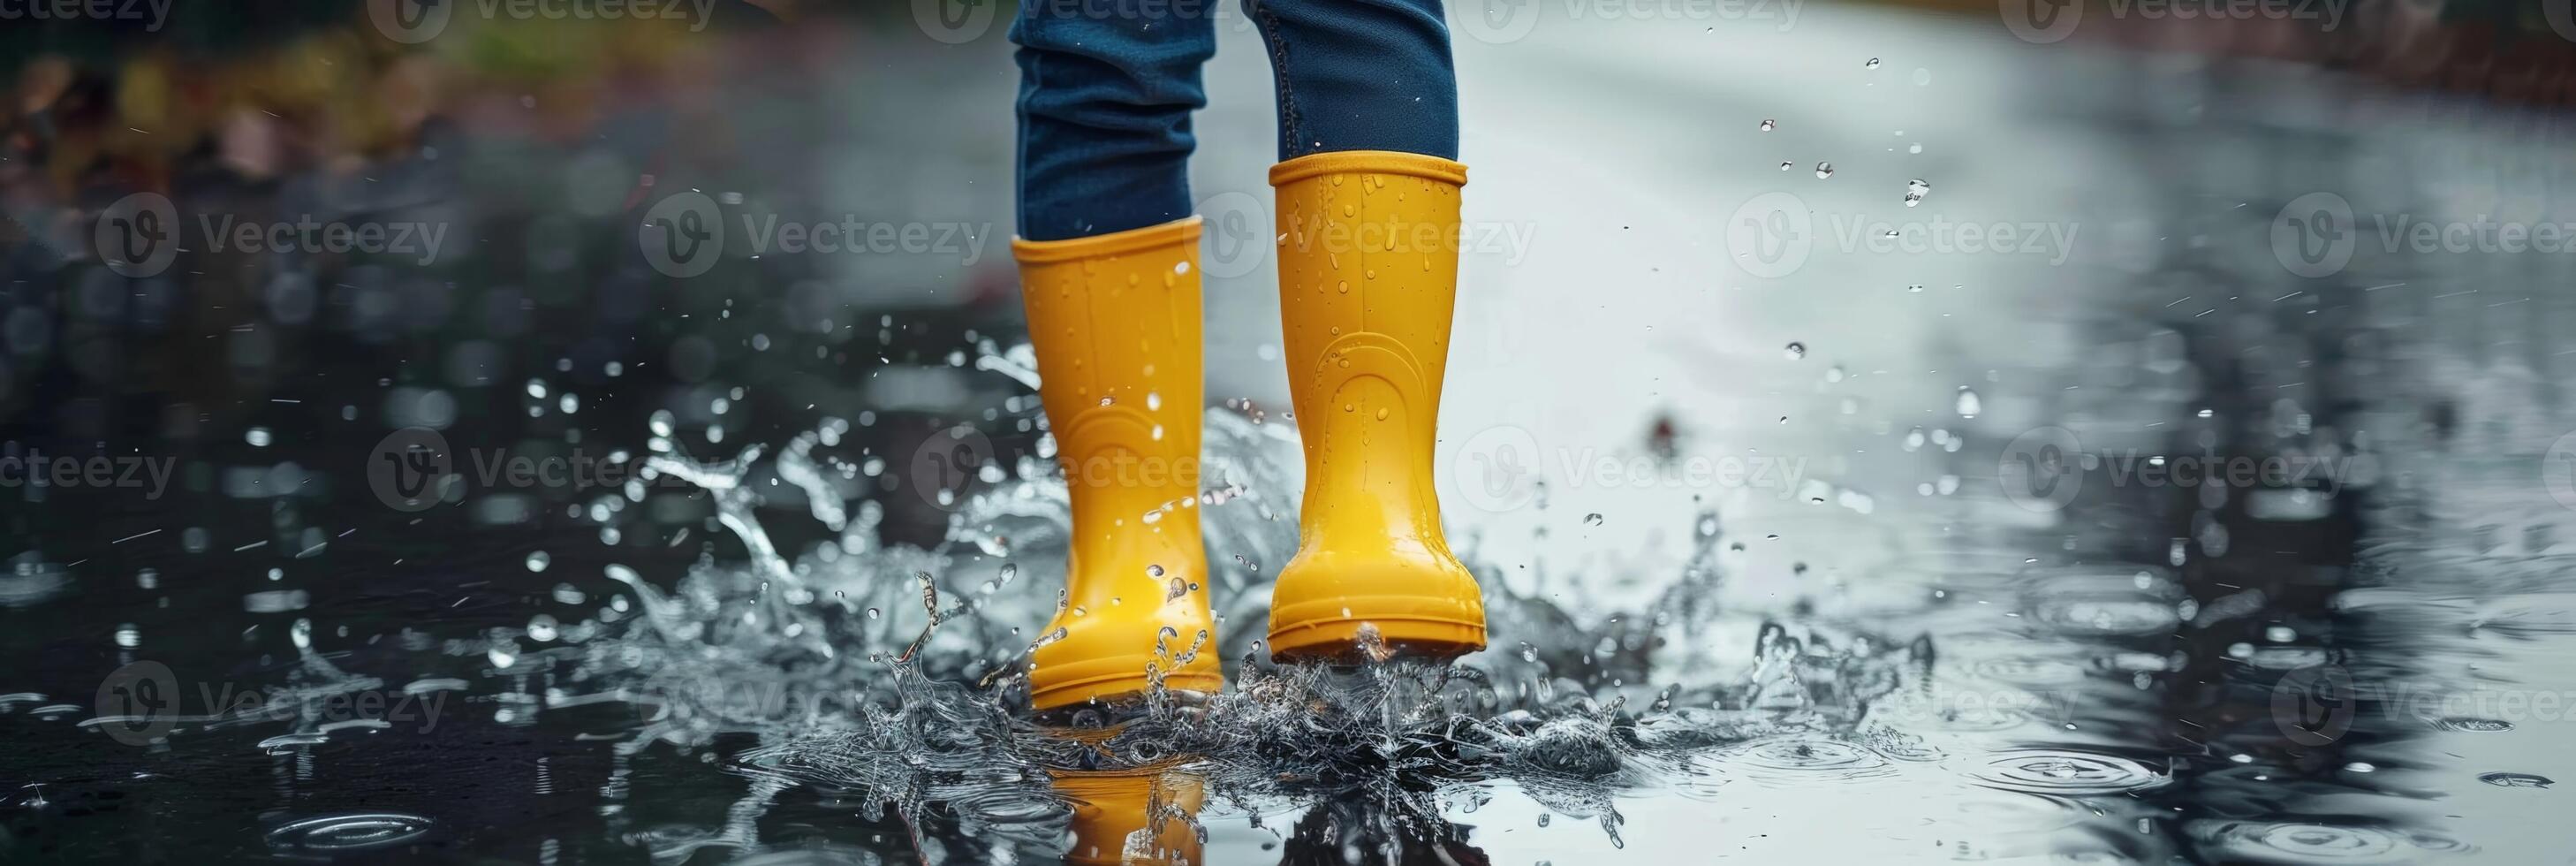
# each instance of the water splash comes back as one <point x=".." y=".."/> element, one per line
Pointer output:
<point x="917" y="715"/>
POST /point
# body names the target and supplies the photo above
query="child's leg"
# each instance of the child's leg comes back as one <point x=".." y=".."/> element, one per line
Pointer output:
<point x="1368" y="273"/>
<point x="1104" y="111"/>
<point x="1109" y="275"/>
<point x="1361" y="75"/>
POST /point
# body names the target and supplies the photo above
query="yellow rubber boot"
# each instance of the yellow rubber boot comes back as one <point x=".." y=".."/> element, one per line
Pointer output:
<point x="1368" y="276"/>
<point x="1111" y="807"/>
<point x="1115" y="322"/>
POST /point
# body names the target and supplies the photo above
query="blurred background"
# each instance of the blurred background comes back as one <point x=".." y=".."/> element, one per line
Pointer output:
<point x="1889" y="321"/>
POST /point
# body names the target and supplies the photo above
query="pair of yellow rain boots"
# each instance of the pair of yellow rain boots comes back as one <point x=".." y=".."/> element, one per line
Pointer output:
<point x="1368" y="275"/>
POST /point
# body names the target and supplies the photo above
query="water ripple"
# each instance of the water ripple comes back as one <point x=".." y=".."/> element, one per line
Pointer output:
<point x="1800" y="760"/>
<point x="2032" y="670"/>
<point x="358" y="831"/>
<point x="2064" y="771"/>
<point x="2473" y="725"/>
<point x="2300" y="842"/>
<point x="2517" y="780"/>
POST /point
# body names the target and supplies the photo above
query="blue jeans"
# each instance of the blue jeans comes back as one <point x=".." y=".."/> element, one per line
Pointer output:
<point x="1107" y="87"/>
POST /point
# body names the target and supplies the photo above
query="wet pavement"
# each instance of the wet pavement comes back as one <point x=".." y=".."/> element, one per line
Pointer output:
<point x="2149" y="495"/>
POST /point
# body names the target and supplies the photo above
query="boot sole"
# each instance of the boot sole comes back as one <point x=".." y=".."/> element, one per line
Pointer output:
<point x="1111" y="678"/>
<point x="1418" y="627"/>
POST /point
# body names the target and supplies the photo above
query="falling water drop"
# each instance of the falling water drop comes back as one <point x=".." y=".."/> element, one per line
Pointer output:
<point x="1796" y="351"/>
<point x="1824" y="170"/>
<point x="1767" y="124"/>
<point x="1969" y="405"/>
